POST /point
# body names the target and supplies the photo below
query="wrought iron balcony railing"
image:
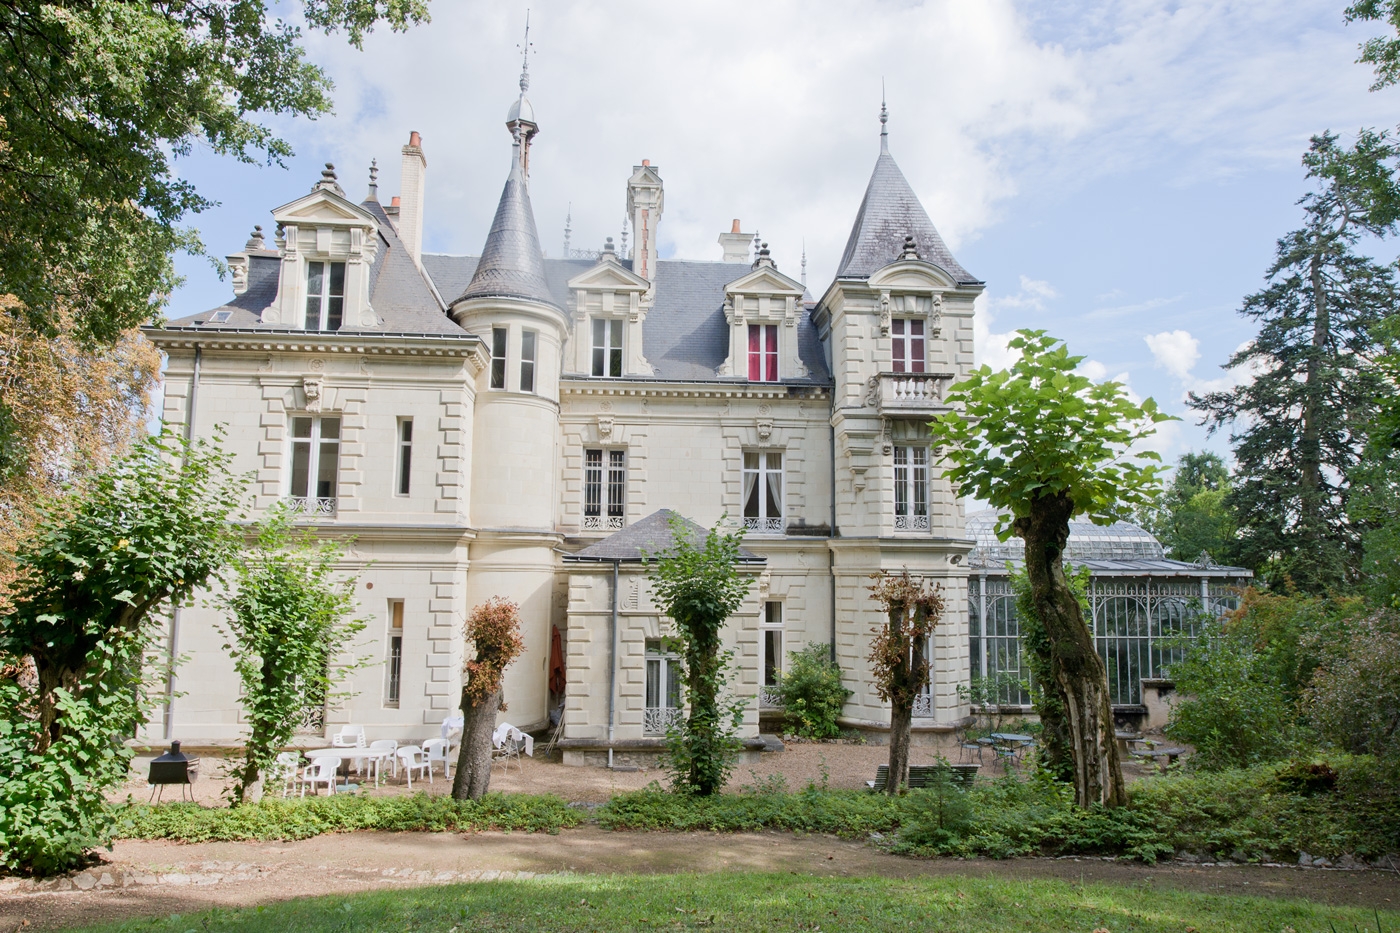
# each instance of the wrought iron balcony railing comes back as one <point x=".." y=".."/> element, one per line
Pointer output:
<point x="602" y="523"/>
<point x="764" y="526"/>
<point x="657" y="719"/>
<point x="313" y="505"/>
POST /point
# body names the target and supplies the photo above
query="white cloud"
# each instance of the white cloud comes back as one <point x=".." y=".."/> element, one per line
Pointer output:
<point x="1176" y="351"/>
<point x="1092" y="369"/>
<point x="988" y="347"/>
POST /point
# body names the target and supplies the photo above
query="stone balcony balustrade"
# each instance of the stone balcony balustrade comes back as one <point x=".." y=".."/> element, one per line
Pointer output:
<point x="910" y="394"/>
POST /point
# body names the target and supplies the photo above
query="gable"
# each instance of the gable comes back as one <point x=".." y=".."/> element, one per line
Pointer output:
<point x="323" y="207"/>
<point x="765" y="280"/>
<point x="915" y="274"/>
<point x="608" y="276"/>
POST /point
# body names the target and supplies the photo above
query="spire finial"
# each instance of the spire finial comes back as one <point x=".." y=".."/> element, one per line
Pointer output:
<point x="525" y="58"/>
<point x="568" y="228"/>
<point x="373" y="180"/>
<point x="804" y="263"/>
<point x="884" y="119"/>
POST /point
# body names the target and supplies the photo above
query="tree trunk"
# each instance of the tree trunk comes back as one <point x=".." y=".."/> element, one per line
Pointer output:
<point x="906" y="682"/>
<point x="51" y="677"/>
<point x="473" y="775"/>
<point x="901" y="715"/>
<point x="1080" y="677"/>
<point x="707" y="759"/>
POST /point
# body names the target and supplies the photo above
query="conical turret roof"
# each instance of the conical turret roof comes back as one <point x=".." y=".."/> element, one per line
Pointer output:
<point x="512" y="263"/>
<point x="889" y="212"/>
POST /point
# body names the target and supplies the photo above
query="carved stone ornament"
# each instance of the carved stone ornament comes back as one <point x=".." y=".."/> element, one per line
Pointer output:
<point x="311" y="387"/>
<point x="886" y="442"/>
<point x="317" y="365"/>
<point x="935" y="318"/>
<point x="764" y="408"/>
<point x="884" y="314"/>
<point x="872" y="391"/>
<point x="765" y="581"/>
<point x="765" y="429"/>
<point x="238" y="270"/>
<point x="605" y="426"/>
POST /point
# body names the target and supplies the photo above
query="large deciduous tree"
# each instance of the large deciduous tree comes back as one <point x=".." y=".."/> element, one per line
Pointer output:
<point x="1299" y="424"/>
<point x="1191" y="517"/>
<point x="899" y="657"/>
<point x="699" y="585"/>
<point x="97" y="96"/>
<point x="288" y="616"/>
<point x="493" y="631"/>
<point x="1043" y="444"/>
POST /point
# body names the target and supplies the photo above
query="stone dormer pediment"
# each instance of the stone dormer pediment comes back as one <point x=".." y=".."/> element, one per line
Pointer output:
<point x="912" y="275"/>
<point x="323" y="206"/>
<point x="764" y="280"/>
<point x="608" y="275"/>
<point x="645" y="175"/>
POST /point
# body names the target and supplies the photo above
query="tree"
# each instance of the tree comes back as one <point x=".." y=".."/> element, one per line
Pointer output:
<point x="1191" y="517"/>
<point x="493" y="630"/>
<point x="97" y="96"/>
<point x="1043" y="444"/>
<point x="700" y="587"/>
<point x="81" y="628"/>
<point x="1298" y="427"/>
<point x="811" y="692"/>
<point x="1382" y="52"/>
<point x="899" y="657"/>
<point x="287" y="619"/>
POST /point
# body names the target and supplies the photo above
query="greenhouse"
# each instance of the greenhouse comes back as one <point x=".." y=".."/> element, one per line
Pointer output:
<point x="1141" y="603"/>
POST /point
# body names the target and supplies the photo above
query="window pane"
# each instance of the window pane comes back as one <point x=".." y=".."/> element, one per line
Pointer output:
<point x="335" y="308"/>
<point x="592" y="482"/>
<point x="315" y="287"/>
<point x="498" y="357"/>
<point x="755" y="353"/>
<point x="406" y="430"/>
<point x="772" y="656"/>
<point x="405" y="455"/>
<point x="330" y="429"/>
<point x="527" y="361"/>
<point x="770" y="353"/>
<point x="600" y="351"/>
<point x="673" y="683"/>
<point x="617" y="483"/>
<point x="326" y="469"/>
<point x="337" y="279"/>
<point x="301" y="427"/>
<point x="653" y="682"/>
<point x="301" y="466"/>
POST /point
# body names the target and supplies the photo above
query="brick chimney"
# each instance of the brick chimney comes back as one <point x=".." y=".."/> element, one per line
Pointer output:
<point x="736" y="245"/>
<point x="410" y="215"/>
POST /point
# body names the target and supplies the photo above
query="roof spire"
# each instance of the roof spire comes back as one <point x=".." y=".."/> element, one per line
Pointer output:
<point x="804" y="263"/>
<point x="568" y="228"/>
<point x="520" y="119"/>
<point x="884" y="118"/>
<point x="525" y="62"/>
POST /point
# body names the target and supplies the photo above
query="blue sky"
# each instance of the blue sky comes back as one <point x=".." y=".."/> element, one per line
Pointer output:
<point x="1117" y="172"/>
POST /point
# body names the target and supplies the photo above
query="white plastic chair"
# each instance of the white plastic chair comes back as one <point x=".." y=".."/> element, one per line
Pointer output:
<point x="414" y="759"/>
<point x="351" y="737"/>
<point x="288" y="768"/>
<point x="321" y="771"/>
<point x="438" y="750"/>
<point x="392" y="747"/>
<point x="506" y="742"/>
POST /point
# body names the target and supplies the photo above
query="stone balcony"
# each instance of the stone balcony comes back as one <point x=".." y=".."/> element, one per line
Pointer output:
<point x="910" y="395"/>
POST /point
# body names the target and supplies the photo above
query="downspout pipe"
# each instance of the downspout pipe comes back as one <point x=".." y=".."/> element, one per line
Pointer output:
<point x="830" y="554"/>
<point x="174" y="644"/>
<point x="612" y="665"/>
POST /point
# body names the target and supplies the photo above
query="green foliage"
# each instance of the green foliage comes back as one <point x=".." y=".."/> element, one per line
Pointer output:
<point x="100" y="95"/>
<point x="342" y="813"/>
<point x="1040" y="429"/>
<point x="287" y="619"/>
<point x="104" y="561"/>
<point x="699" y="586"/>
<point x="1191" y="516"/>
<point x="1353" y="702"/>
<point x="1381" y="52"/>
<point x="812" y="693"/>
<point x="1298" y="426"/>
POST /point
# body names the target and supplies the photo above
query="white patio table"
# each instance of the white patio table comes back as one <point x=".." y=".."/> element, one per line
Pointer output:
<point x="375" y="756"/>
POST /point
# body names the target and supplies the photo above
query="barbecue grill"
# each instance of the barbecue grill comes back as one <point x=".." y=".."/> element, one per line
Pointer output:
<point x="174" y="767"/>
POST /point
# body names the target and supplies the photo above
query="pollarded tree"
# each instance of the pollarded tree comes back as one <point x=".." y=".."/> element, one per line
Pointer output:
<point x="899" y="657"/>
<point x="288" y="618"/>
<point x="699" y="586"/>
<point x="1043" y="444"/>
<point x="493" y="631"/>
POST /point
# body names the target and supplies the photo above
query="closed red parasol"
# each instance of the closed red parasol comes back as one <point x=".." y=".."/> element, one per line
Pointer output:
<point x="557" y="681"/>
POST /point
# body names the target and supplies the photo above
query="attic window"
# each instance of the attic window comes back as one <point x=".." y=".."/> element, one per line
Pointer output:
<point x="220" y="317"/>
<point x="325" y="295"/>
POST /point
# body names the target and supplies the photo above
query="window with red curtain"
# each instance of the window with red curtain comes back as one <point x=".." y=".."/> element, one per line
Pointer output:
<point x="763" y="352"/>
<point x="907" y="339"/>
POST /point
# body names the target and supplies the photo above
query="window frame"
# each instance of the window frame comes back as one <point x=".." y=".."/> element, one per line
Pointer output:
<point x="912" y="490"/>
<point x="606" y="355"/>
<point x="762" y="353"/>
<point x="326" y="299"/>
<point x="772" y="624"/>
<point x="403" y="461"/>
<point x="500" y="345"/>
<point x="393" y="662"/>
<point x="529" y="341"/>
<point x="659" y="655"/>
<point x="315" y="443"/>
<point x="903" y="342"/>
<point x="604" y="488"/>
<point x="761" y="491"/>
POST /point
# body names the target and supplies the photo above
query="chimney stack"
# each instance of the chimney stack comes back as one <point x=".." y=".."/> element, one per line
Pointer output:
<point x="410" y="215"/>
<point x="735" y="244"/>
<point x="645" y="202"/>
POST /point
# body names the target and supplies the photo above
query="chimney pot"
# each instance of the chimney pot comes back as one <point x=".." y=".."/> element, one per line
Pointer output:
<point x="735" y="228"/>
<point x="394" y="201"/>
<point x="646" y="161"/>
<point x="414" y="139"/>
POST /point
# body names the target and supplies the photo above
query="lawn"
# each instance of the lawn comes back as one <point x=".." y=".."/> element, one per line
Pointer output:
<point x="767" y="902"/>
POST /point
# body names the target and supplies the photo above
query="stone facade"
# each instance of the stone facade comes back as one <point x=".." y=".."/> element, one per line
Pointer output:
<point x="480" y="426"/>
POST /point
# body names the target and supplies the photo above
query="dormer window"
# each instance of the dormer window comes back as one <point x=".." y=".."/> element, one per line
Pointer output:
<point x="907" y="345"/>
<point x="763" y="352"/>
<point x="325" y="295"/>
<point x="607" y="347"/>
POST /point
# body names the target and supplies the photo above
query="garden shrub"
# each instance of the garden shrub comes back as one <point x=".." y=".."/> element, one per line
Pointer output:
<point x="1354" y="701"/>
<point x="313" y="816"/>
<point x="812" y="693"/>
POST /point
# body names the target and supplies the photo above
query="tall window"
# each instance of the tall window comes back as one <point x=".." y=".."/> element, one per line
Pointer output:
<point x="394" y="662"/>
<point x="772" y="651"/>
<point x="907" y="335"/>
<point x="763" y="492"/>
<point x="607" y="347"/>
<point x="325" y="295"/>
<point x="604" y="488"/>
<point x="315" y="464"/>
<point x="405" y="455"/>
<point x="911" y="488"/>
<point x="663" y="688"/>
<point x="763" y="352"/>
<point x="527" y="361"/>
<point x="498" y="357"/>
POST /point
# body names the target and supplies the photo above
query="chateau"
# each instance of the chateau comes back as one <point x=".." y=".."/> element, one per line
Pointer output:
<point x="511" y="425"/>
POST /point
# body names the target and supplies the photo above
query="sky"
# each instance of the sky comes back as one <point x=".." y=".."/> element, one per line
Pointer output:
<point x="1117" y="172"/>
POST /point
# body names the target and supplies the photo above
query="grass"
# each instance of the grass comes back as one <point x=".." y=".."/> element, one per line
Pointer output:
<point x="766" y="902"/>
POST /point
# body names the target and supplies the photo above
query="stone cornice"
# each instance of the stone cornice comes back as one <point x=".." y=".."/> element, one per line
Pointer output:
<point x="697" y="389"/>
<point x="359" y="343"/>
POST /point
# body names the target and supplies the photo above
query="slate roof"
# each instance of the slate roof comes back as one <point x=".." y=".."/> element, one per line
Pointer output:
<point x="512" y="263"/>
<point x="888" y="213"/>
<point x="647" y="538"/>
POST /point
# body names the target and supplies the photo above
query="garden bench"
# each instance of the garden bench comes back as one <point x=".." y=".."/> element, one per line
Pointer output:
<point x="961" y="775"/>
<point x="1151" y="754"/>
